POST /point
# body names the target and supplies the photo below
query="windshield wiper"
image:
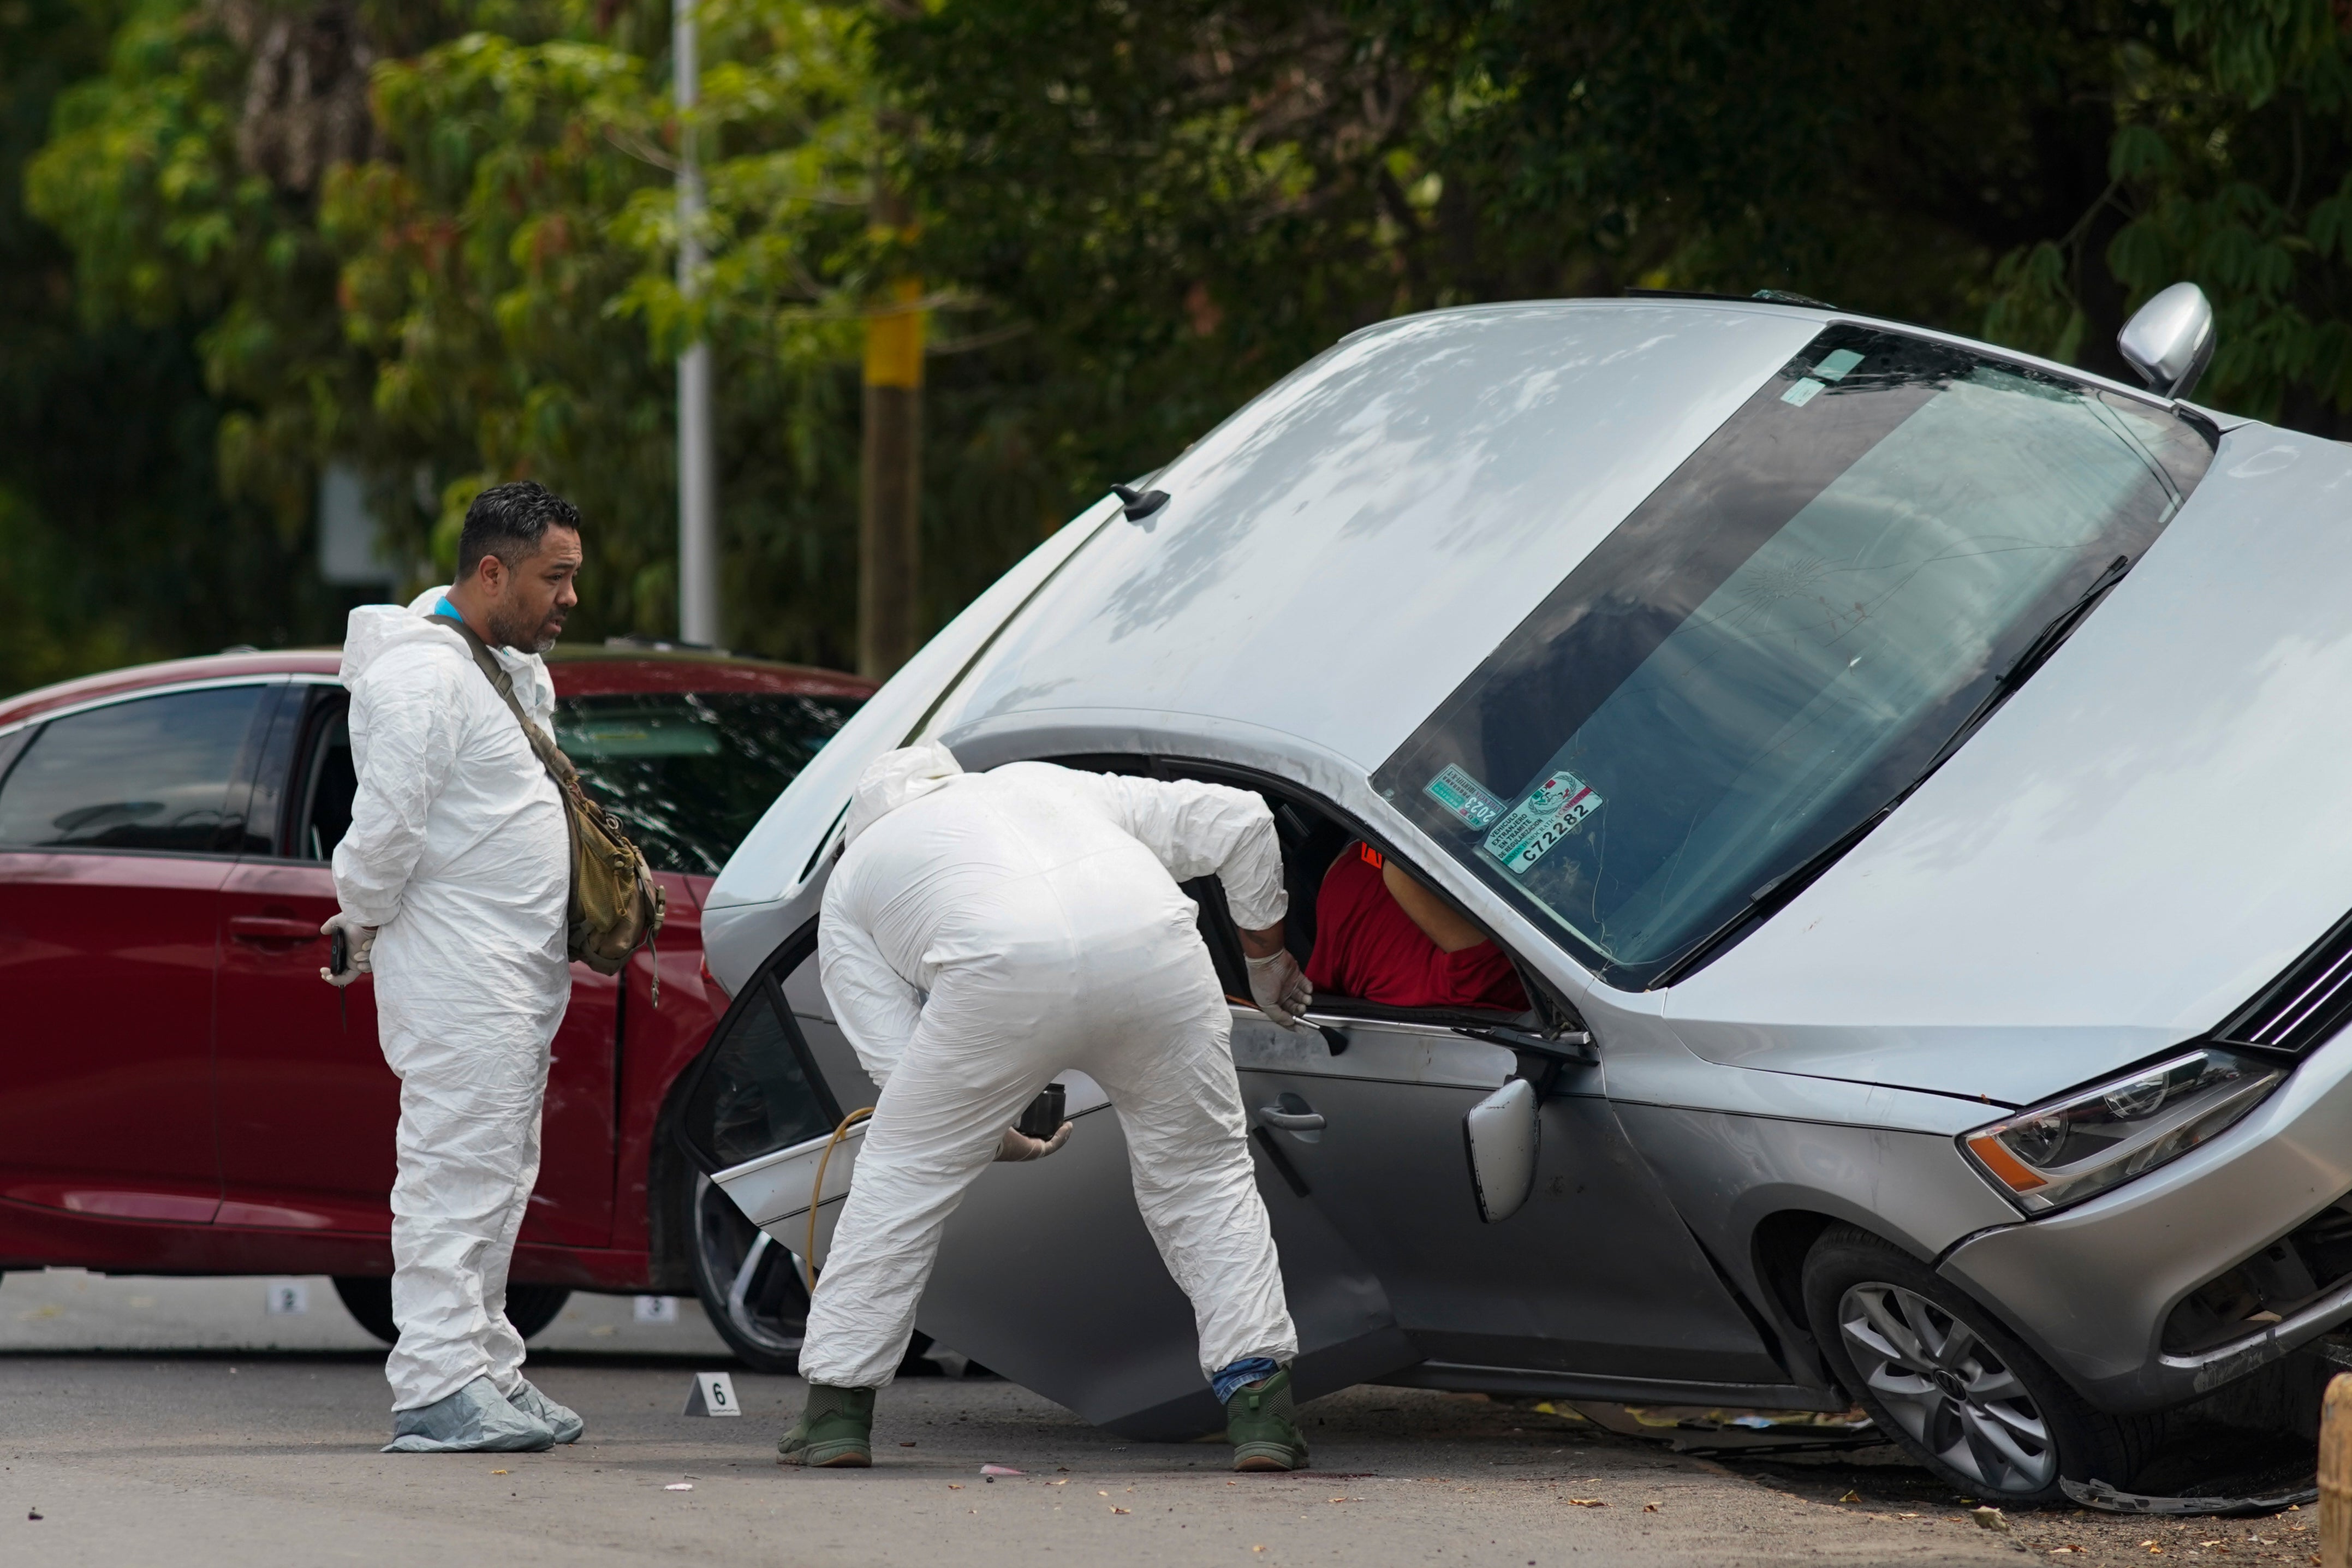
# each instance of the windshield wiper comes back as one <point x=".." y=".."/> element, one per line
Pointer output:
<point x="2031" y="657"/>
<point x="1772" y="896"/>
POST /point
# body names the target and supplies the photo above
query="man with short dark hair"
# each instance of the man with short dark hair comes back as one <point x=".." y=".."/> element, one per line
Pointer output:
<point x="454" y="880"/>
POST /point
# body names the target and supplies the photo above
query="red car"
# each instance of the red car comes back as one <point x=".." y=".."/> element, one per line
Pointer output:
<point x="180" y="1094"/>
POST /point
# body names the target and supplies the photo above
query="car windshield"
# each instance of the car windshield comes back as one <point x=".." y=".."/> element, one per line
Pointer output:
<point x="689" y="772"/>
<point x="1783" y="637"/>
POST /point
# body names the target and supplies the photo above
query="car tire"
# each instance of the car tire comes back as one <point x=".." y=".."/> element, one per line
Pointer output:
<point x="368" y="1297"/>
<point x="751" y="1289"/>
<point x="1941" y="1377"/>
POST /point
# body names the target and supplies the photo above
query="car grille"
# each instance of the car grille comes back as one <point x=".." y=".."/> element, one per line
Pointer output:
<point x="2274" y="1283"/>
<point x="2304" y="1006"/>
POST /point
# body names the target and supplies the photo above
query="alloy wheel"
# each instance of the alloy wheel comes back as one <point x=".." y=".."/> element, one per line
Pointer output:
<point x="749" y="1280"/>
<point x="1948" y="1388"/>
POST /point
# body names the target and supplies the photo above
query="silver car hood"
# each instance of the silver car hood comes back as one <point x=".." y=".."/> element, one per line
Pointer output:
<point x="2151" y="829"/>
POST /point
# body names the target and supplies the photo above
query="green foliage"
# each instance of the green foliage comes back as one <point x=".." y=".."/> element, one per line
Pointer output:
<point x="116" y="542"/>
<point x="444" y="249"/>
<point x="1178" y="203"/>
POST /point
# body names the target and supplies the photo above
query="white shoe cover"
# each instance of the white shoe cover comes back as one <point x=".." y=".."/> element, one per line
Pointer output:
<point x="474" y="1420"/>
<point x="563" y="1422"/>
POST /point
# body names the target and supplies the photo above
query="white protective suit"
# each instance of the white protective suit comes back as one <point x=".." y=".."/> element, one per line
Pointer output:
<point x="984" y="932"/>
<point x="457" y="849"/>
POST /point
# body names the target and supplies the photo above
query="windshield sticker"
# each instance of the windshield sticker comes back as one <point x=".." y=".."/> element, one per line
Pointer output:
<point x="1833" y="367"/>
<point x="1465" y="796"/>
<point x="1548" y="814"/>
<point x="1803" y="392"/>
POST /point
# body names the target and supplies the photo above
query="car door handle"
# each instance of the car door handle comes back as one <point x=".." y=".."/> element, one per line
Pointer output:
<point x="1291" y="1121"/>
<point x="266" y="928"/>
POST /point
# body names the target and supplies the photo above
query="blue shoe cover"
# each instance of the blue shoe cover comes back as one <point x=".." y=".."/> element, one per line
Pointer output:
<point x="565" y="1424"/>
<point x="474" y="1420"/>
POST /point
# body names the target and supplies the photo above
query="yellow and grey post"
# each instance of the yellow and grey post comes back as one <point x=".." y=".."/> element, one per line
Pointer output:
<point x="889" y="557"/>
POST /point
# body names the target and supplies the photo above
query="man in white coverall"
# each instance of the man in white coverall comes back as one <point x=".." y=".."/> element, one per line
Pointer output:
<point x="454" y="880"/>
<point x="984" y="931"/>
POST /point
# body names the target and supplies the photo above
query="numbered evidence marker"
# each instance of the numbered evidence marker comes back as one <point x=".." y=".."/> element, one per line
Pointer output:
<point x="656" y="1309"/>
<point x="713" y="1394"/>
<point x="288" y="1298"/>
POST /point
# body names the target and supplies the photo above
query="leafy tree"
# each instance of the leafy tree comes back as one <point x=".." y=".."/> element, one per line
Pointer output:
<point x="115" y="540"/>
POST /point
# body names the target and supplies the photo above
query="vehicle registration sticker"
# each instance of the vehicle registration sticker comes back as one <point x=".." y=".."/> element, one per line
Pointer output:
<point x="1548" y="814"/>
<point x="1464" y="795"/>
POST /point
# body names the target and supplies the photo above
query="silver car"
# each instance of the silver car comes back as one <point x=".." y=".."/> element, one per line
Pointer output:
<point x="1904" y="773"/>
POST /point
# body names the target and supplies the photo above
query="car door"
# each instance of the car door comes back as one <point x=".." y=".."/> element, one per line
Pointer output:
<point x="1046" y="1274"/>
<point x="307" y="1105"/>
<point x="1595" y="1276"/>
<point x="119" y="823"/>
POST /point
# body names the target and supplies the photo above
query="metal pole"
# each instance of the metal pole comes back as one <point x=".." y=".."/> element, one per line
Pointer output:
<point x="698" y="496"/>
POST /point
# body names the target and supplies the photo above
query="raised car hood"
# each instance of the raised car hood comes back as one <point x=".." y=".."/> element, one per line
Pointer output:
<point x="2158" y="824"/>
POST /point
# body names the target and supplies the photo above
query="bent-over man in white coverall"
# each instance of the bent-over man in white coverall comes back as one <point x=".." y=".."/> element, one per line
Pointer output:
<point x="454" y="880"/>
<point x="986" y="931"/>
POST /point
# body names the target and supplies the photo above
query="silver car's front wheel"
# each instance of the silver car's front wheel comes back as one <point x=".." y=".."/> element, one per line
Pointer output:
<point x="1948" y="1388"/>
<point x="1944" y="1377"/>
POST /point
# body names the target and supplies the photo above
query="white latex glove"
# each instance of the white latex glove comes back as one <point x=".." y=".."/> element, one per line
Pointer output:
<point x="1016" y="1145"/>
<point x="1279" y="988"/>
<point x="361" y="940"/>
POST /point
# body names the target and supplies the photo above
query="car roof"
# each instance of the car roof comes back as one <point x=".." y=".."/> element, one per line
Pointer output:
<point x="1341" y="553"/>
<point x="578" y="669"/>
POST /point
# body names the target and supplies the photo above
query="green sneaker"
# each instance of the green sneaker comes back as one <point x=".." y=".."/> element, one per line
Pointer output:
<point x="1264" y="1426"/>
<point x="836" y="1430"/>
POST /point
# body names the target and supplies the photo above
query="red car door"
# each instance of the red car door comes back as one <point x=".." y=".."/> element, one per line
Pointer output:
<point x="308" y="1107"/>
<point x="118" y="825"/>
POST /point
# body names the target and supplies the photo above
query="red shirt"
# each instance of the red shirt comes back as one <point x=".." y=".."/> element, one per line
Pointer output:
<point x="1368" y="948"/>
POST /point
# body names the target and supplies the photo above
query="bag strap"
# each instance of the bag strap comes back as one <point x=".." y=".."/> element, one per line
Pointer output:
<point x="550" y="757"/>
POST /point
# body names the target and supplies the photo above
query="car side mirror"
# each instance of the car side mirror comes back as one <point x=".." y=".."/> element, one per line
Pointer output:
<point x="2169" y="340"/>
<point x="1502" y="1132"/>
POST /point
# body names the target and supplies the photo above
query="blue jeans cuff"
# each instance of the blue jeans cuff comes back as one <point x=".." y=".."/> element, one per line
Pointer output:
<point x="1249" y="1369"/>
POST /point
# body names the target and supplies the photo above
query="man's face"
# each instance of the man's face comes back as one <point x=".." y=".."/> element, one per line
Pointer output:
<point x="527" y="605"/>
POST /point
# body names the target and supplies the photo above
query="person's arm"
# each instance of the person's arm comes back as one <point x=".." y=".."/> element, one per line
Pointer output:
<point x="404" y="726"/>
<point x="1432" y="913"/>
<point x="1214" y="830"/>
<point x="875" y="1007"/>
<point x="1209" y="830"/>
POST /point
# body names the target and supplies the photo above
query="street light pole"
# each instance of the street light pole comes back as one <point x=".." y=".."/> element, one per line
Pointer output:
<point x="697" y="499"/>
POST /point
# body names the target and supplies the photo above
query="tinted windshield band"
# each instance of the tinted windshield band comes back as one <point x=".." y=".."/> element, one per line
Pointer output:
<point x="1781" y="637"/>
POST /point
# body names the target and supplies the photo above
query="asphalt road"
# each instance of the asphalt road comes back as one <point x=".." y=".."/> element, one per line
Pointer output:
<point x="164" y="1433"/>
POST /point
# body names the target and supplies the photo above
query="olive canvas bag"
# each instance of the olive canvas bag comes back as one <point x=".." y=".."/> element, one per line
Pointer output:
<point x="616" y="907"/>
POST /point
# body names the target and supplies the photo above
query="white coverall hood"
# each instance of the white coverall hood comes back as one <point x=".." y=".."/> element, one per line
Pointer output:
<point x="895" y="778"/>
<point x="976" y="940"/>
<point x="459" y="853"/>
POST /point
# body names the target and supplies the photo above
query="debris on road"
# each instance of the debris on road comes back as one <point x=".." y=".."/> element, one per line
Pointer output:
<point x="1991" y="1519"/>
<point x="2100" y="1495"/>
<point x="1695" y="1429"/>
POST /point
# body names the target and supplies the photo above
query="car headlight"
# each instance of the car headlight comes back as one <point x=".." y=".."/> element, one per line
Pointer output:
<point x="2064" y="1151"/>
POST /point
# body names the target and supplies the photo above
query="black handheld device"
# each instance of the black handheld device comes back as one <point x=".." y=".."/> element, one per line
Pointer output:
<point x="339" y="961"/>
<point x="1042" y="1118"/>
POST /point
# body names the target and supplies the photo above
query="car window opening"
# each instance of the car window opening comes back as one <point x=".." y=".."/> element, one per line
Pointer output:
<point x="1784" y="637"/>
<point x="1365" y="953"/>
